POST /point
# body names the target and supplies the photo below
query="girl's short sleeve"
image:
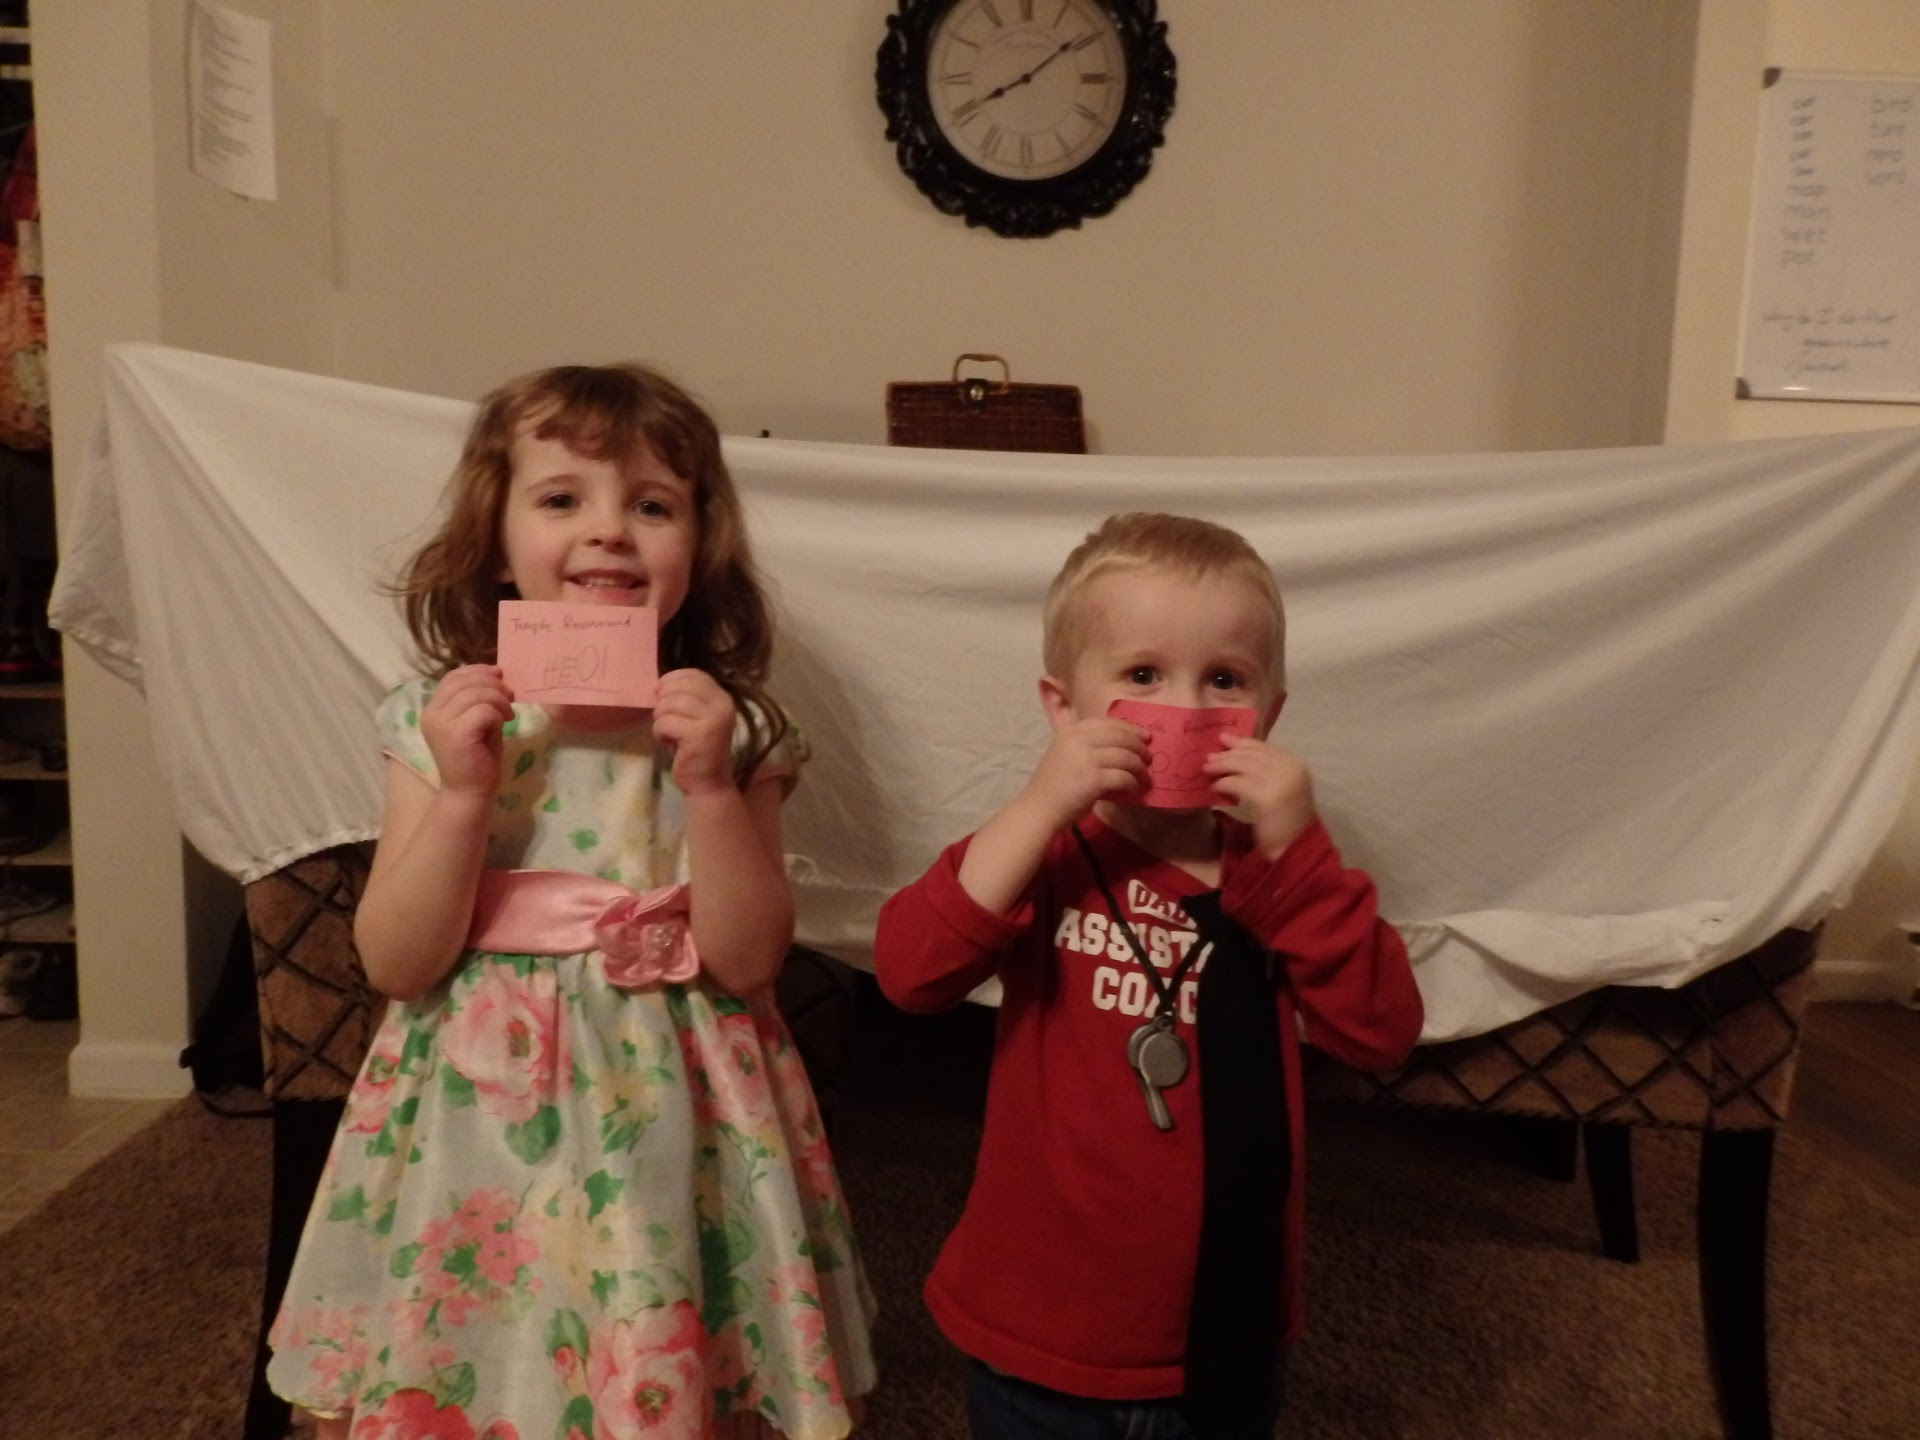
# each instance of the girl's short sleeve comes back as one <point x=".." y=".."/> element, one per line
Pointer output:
<point x="783" y="762"/>
<point x="397" y="722"/>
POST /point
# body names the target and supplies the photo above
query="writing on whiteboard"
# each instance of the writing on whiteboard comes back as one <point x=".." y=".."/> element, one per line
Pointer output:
<point x="1827" y="341"/>
<point x="1833" y="280"/>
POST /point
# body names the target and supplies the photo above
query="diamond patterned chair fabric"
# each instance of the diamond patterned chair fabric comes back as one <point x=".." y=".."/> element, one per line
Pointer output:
<point x="1715" y="1054"/>
<point x="317" y="1015"/>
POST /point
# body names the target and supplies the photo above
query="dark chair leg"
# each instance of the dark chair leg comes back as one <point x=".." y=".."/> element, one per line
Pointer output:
<point x="1610" y="1179"/>
<point x="302" y="1134"/>
<point x="1736" y="1169"/>
<point x="1551" y="1145"/>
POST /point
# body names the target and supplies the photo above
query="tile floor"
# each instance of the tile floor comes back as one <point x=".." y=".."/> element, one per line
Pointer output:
<point x="47" y="1136"/>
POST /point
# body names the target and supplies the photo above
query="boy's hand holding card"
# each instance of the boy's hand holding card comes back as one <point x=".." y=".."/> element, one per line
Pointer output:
<point x="1179" y="740"/>
<point x="558" y="654"/>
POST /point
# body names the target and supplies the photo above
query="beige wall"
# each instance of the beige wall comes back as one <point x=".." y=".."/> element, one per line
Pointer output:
<point x="1377" y="226"/>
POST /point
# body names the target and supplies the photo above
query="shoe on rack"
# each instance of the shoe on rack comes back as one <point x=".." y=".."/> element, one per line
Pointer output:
<point x="55" y="991"/>
<point x="20" y="898"/>
<point x="20" y="827"/>
<point x="22" y="662"/>
<point x="17" y="971"/>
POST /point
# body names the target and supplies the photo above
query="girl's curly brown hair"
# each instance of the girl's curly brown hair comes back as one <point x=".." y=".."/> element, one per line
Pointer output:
<point x="451" y="590"/>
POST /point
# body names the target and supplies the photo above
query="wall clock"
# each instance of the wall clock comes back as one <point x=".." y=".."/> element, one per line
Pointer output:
<point x="1025" y="116"/>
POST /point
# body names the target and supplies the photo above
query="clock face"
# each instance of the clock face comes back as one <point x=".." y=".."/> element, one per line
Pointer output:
<point x="1026" y="89"/>
<point x="1025" y="116"/>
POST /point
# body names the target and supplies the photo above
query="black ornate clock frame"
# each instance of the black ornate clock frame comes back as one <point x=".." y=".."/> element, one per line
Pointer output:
<point x="1025" y="208"/>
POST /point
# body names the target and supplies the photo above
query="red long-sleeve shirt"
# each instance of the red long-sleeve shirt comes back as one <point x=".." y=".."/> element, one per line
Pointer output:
<point x="1072" y="1265"/>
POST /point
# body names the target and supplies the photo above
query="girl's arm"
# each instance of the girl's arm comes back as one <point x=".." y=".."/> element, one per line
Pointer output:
<point x="412" y="922"/>
<point x="742" y="904"/>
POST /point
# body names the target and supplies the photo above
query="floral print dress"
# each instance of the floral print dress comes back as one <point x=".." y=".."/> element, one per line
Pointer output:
<point x="556" y="1208"/>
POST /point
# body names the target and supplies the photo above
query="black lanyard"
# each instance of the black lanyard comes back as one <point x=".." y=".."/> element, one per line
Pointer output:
<point x="1167" y="988"/>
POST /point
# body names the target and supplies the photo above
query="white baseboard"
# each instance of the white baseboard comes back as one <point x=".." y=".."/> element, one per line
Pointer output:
<point x="105" y="1071"/>
<point x="1838" y="978"/>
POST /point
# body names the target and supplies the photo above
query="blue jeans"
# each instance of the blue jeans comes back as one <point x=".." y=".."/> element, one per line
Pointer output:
<point x="1000" y="1407"/>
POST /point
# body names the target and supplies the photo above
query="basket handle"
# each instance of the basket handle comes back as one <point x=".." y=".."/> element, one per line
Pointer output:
<point x="975" y="389"/>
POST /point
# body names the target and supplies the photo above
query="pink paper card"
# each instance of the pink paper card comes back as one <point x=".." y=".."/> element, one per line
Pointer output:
<point x="1178" y="740"/>
<point x="559" y="654"/>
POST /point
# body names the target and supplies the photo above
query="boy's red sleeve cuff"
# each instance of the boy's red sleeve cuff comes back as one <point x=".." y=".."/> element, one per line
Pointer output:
<point x="1346" y="967"/>
<point x="934" y="943"/>
<point x="1262" y="894"/>
<point x="966" y="917"/>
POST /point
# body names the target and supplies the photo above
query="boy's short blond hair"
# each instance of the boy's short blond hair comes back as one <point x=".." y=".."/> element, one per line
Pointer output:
<point x="1138" y="540"/>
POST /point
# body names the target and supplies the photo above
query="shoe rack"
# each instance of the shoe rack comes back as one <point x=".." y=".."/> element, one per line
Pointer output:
<point x="37" y="959"/>
<point x="37" y="935"/>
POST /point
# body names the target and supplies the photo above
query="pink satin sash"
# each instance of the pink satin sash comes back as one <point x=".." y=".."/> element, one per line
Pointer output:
<point x="643" y="938"/>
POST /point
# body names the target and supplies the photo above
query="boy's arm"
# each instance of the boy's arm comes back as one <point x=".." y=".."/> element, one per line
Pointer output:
<point x="1346" y="966"/>
<point x="1001" y="859"/>
<point x="935" y="943"/>
<point x="947" y="932"/>
<point x="1086" y="760"/>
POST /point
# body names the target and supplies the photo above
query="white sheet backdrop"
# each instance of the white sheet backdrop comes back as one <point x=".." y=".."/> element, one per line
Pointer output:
<point x="1588" y="717"/>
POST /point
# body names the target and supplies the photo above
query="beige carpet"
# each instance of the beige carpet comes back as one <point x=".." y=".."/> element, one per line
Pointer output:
<point x="1453" y="1294"/>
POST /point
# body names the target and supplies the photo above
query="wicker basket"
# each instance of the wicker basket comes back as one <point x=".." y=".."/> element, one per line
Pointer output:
<point x="975" y="413"/>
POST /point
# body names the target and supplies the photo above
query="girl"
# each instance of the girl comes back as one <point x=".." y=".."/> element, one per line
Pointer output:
<point x="580" y="1187"/>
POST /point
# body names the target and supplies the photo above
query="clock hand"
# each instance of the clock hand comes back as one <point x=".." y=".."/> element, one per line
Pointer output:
<point x="1064" y="46"/>
<point x="1018" y="81"/>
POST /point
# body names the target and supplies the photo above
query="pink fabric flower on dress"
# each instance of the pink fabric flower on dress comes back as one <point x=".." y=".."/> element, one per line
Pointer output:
<point x="645" y="939"/>
<point x="813" y="1166"/>
<point x="736" y="1072"/>
<point x="794" y="1282"/>
<point x="508" y="1040"/>
<point x="412" y="1415"/>
<point x="571" y="1369"/>
<point x="334" y="1339"/>
<point x="372" y="1094"/>
<point x="647" y="1376"/>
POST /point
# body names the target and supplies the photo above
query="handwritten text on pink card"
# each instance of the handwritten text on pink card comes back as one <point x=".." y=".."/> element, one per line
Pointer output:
<point x="558" y="654"/>
<point x="1179" y="739"/>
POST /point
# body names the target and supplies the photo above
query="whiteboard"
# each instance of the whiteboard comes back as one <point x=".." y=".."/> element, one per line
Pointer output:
<point x="1832" y="308"/>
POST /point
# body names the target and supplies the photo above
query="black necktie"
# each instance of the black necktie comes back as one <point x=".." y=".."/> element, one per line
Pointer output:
<point x="1233" y="1330"/>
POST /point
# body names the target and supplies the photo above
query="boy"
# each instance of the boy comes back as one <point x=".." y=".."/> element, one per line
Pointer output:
<point x="1119" y="1261"/>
